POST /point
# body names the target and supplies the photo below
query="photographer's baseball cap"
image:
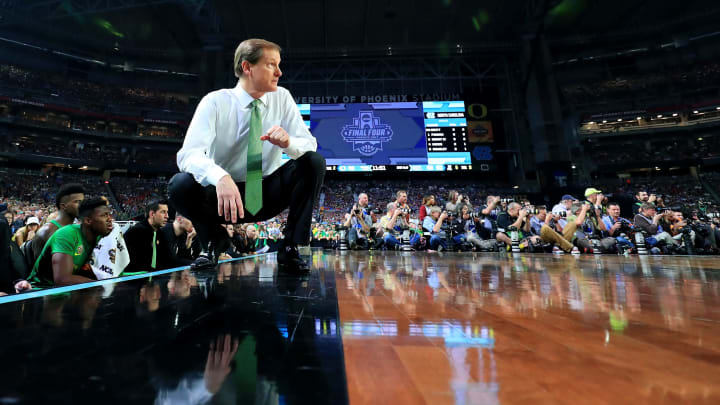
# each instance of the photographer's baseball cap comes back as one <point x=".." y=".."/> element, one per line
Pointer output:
<point x="568" y="197"/>
<point x="590" y="191"/>
<point x="32" y="220"/>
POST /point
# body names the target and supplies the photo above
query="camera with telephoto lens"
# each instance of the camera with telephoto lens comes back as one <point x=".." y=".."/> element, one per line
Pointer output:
<point x="560" y="214"/>
<point x="626" y="226"/>
<point x="507" y="200"/>
<point x="405" y="210"/>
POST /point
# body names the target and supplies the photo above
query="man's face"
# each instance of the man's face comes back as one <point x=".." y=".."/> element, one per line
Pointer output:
<point x="567" y="204"/>
<point x="614" y="211"/>
<point x="100" y="221"/>
<point x="9" y="217"/>
<point x="264" y="75"/>
<point x="71" y="205"/>
<point x="542" y="214"/>
<point x="363" y="200"/>
<point x="402" y="198"/>
<point x="186" y="224"/>
<point x="513" y="212"/>
<point x="642" y="196"/>
<point x="159" y="218"/>
<point x="251" y="232"/>
<point x="649" y="212"/>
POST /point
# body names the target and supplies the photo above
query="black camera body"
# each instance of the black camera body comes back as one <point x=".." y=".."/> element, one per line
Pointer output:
<point x="626" y="226"/>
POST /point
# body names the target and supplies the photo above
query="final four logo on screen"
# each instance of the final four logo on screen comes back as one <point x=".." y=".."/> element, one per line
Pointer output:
<point x="366" y="133"/>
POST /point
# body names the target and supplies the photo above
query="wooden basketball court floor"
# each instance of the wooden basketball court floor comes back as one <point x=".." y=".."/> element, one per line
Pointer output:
<point x="376" y="328"/>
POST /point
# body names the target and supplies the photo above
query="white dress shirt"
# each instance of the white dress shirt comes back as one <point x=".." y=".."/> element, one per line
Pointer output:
<point x="216" y="143"/>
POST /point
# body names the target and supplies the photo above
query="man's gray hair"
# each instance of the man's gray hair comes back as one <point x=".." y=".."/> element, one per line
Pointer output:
<point x="390" y="207"/>
<point x="575" y="207"/>
<point x="512" y="205"/>
<point x="434" y="209"/>
<point x="647" y="206"/>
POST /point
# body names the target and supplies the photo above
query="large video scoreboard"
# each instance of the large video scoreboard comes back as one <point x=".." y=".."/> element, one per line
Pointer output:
<point x="428" y="136"/>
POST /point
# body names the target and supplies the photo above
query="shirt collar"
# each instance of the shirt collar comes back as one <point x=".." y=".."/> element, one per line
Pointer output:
<point x="245" y="98"/>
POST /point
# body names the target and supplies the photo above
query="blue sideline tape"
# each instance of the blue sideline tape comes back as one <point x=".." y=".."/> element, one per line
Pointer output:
<point x="60" y="290"/>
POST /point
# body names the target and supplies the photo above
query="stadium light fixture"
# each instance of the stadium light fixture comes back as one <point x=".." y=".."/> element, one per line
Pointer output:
<point x="591" y="123"/>
<point x="675" y="114"/>
<point x="574" y="167"/>
<point x="717" y="108"/>
<point x="700" y="139"/>
<point x="604" y="121"/>
<point x="696" y="112"/>
<point x="619" y="119"/>
<point x="659" y="115"/>
<point x="516" y="187"/>
<point x="638" y="118"/>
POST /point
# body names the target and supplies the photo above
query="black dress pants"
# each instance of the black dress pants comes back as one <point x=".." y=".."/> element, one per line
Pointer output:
<point x="296" y="185"/>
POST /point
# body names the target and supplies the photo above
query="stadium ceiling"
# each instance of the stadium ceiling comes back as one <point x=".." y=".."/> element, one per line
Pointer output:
<point x="339" y="28"/>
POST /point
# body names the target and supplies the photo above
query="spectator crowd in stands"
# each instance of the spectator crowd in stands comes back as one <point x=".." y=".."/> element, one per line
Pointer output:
<point x="674" y="215"/>
<point x="89" y="92"/>
<point x="658" y="151"/>
<point x="675" y="80"/>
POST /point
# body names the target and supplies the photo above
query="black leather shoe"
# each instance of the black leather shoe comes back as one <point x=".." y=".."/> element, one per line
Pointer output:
<point x="289" y="260"/>
<point x="218" y="245"/>
<point x="202" y="262"/>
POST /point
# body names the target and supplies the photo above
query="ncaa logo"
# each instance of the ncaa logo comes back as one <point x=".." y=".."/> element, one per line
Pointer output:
<point x="367" y="133"/>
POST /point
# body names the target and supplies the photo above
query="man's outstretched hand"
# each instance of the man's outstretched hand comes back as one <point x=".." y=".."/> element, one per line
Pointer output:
<point x="230" y="204"/>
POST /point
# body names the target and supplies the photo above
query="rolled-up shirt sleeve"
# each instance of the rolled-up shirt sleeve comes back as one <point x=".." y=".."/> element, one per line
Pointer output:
<point x="301" y="140"/>
<point x="193" y="156"/>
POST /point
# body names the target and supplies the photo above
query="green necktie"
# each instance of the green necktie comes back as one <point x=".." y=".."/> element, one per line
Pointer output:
<point x="154" y="259"/>
<point x="253" y="182"/>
